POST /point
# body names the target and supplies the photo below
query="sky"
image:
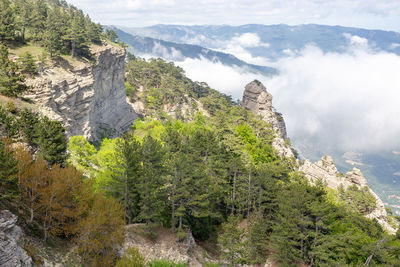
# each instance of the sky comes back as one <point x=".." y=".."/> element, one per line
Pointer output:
<point x="371" y="14"/>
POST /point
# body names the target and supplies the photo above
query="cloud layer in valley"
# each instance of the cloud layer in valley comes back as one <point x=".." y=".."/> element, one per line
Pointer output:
<point x="347" y="102"/>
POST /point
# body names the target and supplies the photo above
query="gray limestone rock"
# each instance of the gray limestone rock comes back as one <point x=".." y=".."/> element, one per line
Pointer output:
<point x="11" y="254"/>
<point x="89" y="99"/>
<point x="259" y="101"/>
<point x="326" y="170"/>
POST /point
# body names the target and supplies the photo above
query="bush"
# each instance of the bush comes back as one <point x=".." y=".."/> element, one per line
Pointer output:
<point x="166" y="263"/>
<point x="132" y="258"/>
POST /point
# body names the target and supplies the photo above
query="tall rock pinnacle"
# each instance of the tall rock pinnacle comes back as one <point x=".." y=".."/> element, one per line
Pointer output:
<point x="259" y="101"/>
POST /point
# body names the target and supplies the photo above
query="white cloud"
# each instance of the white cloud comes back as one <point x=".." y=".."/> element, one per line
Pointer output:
<point x="164" y="52"/>
<point x="248" y="39"/>
<point x="345" y="102"/>
<point x="356" y="41"/>
<point x="340" y="101"/>
<point x="226" y="79"/>
<point x="383" y="14"/>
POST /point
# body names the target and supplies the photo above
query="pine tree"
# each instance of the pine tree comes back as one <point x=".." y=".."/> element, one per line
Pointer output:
<point x="52" y="141"/>
<point x="28" y="122"/>
<point x="54" y="31"/>
<point x="76" y="33"/>
<point x="8" y="174"/>
<point x="24" y="19"/>
<point x="151" y="181"/>
<point x="7" y="21"/>
<point x="124" y="183"/>
<point x="27" y="64"/>
<point x="231" y="241"/>
<point x="11" y="81"/>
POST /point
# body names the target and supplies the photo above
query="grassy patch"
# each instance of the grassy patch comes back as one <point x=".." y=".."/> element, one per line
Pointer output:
<point x="35" y="50"/>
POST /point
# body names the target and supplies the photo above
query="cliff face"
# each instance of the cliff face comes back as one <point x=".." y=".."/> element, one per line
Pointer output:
<point x="326" y="170"/>
<point x="89" y="99"/>
<point x="11" y="254"/>
<point x="259" y="101"/>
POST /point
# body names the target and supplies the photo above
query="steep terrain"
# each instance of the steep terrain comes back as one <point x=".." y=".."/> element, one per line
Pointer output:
<point x="258" y="100"/>
<point x="326" y="170"/>
<point x="146" y="46"/>
<point x="11" y="253"/>
<point x="89" y="99"/>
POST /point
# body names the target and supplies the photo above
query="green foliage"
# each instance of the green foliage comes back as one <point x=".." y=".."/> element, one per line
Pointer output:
<point x="52" y="141"/>
<point x="132" y="258"/>
<point x="7" y="21"/>
<point x="231" y="241"/>
<point x="27" y="64"/>
<point x="81" y="154"/>
<point x="11" y="80"/>
<point x="165" y="83"/>
<point x="55" y="25"/>
<point x="359" y="199"/>
<point x="165" y="263"/>
<point x="111" y="35"/>
<point x="8" y="174"/>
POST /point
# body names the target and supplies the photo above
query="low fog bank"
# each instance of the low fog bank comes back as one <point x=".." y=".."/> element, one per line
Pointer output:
<point x="342" y="102"/>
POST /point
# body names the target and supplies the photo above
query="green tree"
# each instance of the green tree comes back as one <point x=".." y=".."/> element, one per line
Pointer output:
<point x="76" y="34"/>
<point x="27" y="64"/>
<point x="111" y="35"/>
<point x="8" y="174"/>
<point x="231" y="241"/>
<point x="125" y="182"/>
<point x="54" y="31"/>
<point x="82" y="154"/>
<point x="132" y="258"/>
<point x="52" y="141"/>
<point x="7" y="21"/>
<point x="100" y="229"/>
<point x="11" y="81"/>
<point x="152" y="180"/>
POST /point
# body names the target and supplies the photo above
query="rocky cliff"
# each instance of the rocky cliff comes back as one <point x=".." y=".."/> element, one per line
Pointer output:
<point x="89" y="99"/>
<point x="259" y="101"/>
<point x="11" y="254"/>
<point x="326" y="170"/>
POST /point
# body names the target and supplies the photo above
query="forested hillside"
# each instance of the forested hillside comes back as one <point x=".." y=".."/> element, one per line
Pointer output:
<point x="205" y="168"/>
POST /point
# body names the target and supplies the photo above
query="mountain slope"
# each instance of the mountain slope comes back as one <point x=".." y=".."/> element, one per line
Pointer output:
<point x="168" y="50"/>
<point x="282" y="39"/>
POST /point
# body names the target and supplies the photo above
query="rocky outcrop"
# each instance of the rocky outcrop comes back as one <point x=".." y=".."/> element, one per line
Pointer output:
<point x="89" y="99"/>
<point x="185" y="109"/>
<point x="326" y="170"/>
<point x="164" y="245"/>
<point x="11" y="254"/>
<point x="259" y="101"/>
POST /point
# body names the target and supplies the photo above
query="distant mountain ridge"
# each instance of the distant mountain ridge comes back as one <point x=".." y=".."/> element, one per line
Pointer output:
<point x="168" y="50"/>
<point x="283" y="40"/>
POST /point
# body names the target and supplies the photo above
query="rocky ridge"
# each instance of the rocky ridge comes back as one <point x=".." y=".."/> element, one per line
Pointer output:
<point x="326" y="170"/>
<point x="11" y="254"/>
<point x="89" y="99"/>
<point x="259" y="101"/>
